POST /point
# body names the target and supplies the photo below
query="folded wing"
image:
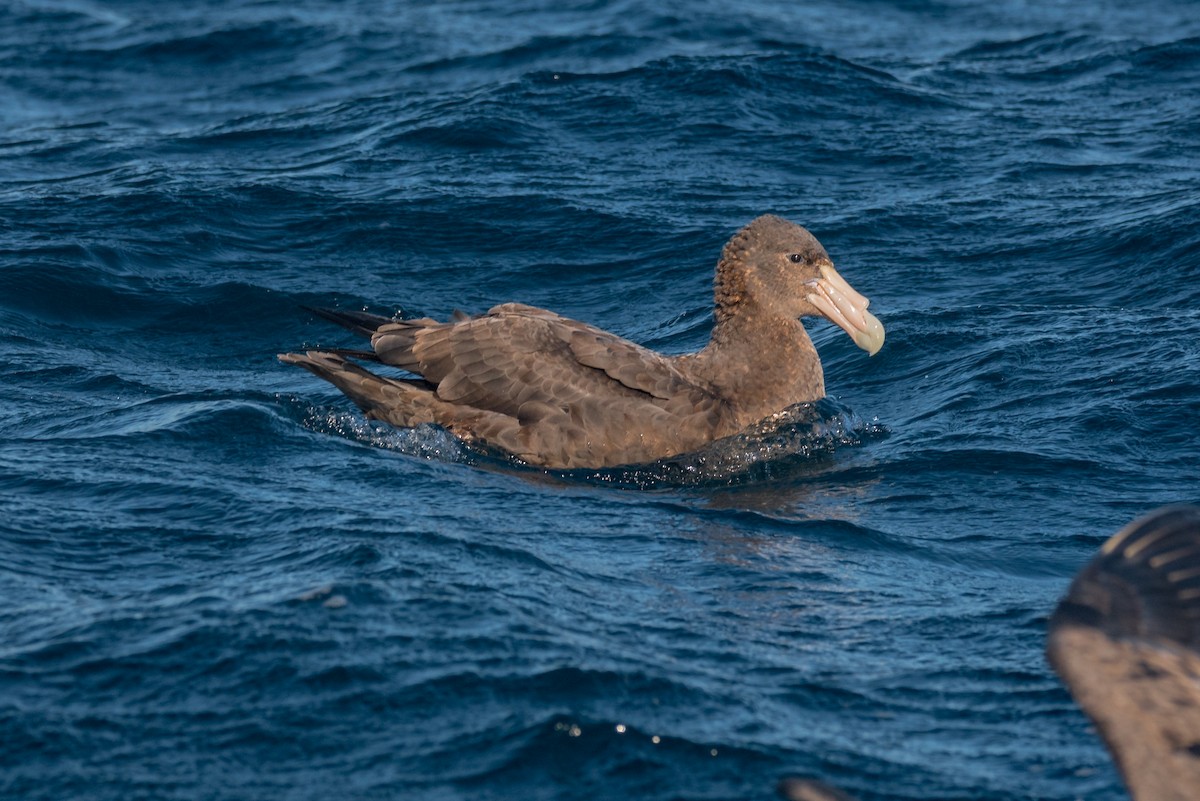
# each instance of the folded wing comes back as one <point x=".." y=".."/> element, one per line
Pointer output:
<point x="515" y="355"/>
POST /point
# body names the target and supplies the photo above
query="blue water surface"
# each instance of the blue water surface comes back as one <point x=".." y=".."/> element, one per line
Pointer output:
<point x="218" y="581"/>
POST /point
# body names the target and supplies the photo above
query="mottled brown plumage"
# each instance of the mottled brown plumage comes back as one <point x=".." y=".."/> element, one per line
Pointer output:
<point x="561" y="393"/>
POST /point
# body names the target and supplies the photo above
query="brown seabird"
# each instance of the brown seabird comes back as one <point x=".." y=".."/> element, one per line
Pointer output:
<point x="559" y="393"/>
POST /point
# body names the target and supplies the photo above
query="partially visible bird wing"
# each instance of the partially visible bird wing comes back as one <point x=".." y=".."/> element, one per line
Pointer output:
<point x="795" y="789"/>
<point x="1126" y="640"/>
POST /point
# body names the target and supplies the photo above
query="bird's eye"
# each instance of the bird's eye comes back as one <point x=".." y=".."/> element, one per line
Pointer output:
<point x="796" y="258"/>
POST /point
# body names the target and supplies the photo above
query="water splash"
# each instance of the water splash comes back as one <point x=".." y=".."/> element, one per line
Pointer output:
<point x="426" y="441"/>
<point x="794" y="436"/>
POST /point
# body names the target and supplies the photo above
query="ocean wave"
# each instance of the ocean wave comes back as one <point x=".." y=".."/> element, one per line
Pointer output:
<point x="223" y="582"/>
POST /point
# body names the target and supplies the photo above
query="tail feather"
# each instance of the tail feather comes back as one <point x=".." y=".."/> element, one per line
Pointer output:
<point x="407" y="402"/>
<point x="397" y="401"/>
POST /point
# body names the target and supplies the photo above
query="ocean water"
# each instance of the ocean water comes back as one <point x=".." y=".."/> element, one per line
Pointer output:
<point x="217" y="581"/>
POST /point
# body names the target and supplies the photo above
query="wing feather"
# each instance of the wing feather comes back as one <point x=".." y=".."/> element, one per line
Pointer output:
<point x="632" y="365"/>
<point x="1126" y="640"/>
<point x="517" y="354"/>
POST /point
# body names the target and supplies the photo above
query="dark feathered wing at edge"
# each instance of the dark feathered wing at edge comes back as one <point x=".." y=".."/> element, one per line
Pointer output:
<point x="1126" y="640"/>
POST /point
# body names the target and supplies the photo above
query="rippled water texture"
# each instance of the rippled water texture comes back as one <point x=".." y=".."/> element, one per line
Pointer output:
<point x="218" y="581"/>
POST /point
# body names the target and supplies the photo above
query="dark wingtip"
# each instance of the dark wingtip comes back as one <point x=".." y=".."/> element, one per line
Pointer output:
<point x="359" y="322"/>
<point x="1145" y="582"/>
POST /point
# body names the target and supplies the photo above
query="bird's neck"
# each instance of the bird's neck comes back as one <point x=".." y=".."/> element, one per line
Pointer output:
<point x="762" y="360"/>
